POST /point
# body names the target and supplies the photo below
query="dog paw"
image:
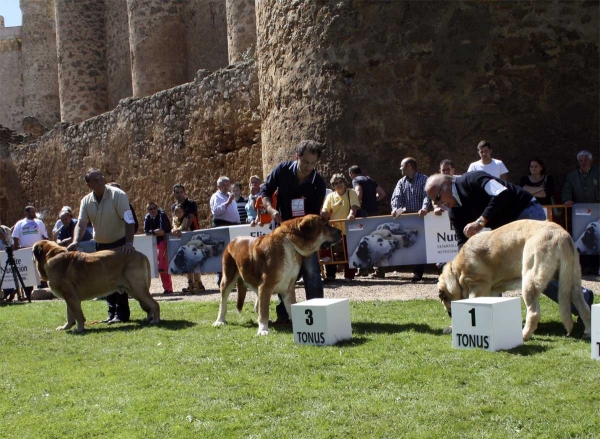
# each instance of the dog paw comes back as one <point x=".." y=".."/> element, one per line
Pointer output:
<point x="263" y="332"/>
<point x="447" y="330"/>
<point x="219" y="323"/>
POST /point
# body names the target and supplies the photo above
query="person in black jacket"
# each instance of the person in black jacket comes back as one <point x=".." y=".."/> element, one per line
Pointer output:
<point x="157" y="223"/>
<point x="476" y="200"/>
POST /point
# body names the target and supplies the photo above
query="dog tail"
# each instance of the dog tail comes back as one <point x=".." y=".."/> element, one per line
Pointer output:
<point x="569" y="281"/>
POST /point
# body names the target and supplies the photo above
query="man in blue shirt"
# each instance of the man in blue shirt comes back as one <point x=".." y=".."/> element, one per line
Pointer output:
<point x="300" y="191"/>
<point x="65" y="233"/>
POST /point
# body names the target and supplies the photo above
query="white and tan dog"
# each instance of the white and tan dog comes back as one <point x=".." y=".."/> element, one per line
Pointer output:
<point x="270" y="264"/>
<point x="77" y="276"/>
<point x="524" y="255"/>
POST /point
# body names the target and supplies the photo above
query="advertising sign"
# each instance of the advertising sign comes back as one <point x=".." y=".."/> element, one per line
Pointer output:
<point x="586" y="228"/>
<point x="24" y="263"/>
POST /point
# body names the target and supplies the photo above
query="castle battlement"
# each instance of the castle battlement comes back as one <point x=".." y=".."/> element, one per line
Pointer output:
<point x="11" y="44"/>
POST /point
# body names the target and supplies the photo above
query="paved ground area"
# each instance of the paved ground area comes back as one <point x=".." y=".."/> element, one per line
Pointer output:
<point x="396" y="286"/>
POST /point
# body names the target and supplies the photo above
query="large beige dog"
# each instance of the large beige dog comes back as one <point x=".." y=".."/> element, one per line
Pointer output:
<point x="270" y="264"/>
<point x="523" y="255"/>
<point x="77" y="276"/>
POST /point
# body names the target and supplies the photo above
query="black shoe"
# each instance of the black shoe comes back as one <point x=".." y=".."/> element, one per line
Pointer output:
<point x="106" y="320"/>
<point x="282" y="322"/>
<point x="416" y="279"/>
<point x="167" y="292"/>
<point x="117" y="320"/>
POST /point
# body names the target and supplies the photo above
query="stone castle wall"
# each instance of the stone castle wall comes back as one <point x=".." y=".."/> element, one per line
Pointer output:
<point x="190" y="134"/>
<point x="379" y="81"/>
<point x="11" y="72"/>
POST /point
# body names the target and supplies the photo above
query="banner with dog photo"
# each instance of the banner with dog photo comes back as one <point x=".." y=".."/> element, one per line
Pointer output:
<point x="585" y="223"/>
<point x="199" y="251"/>
<point x="385" y="241"/>
<point x="24" y="262"/>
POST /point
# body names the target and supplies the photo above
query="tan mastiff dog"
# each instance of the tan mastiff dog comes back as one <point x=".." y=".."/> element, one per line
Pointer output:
<point x="270" y="264"/>
<point x="77" y="276"/>
<point x="524" y="255"/>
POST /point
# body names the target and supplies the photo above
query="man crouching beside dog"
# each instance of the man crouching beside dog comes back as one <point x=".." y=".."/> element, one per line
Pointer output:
<point x="525" y="254"/>
<point x="78" y="276"/>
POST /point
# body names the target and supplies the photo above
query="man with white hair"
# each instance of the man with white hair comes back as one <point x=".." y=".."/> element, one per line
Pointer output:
<point x="582" y="185"/>
<point x="223" y="206"/>
<point x="476" y="200"/>
<point x="224" y="209"/>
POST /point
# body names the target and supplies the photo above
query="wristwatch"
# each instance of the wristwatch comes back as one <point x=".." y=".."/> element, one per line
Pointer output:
<point x="480" y="222"/>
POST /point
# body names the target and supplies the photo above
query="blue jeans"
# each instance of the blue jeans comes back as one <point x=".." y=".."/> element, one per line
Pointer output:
<point x="313" y="284"/>
<point x="533" y="212"/>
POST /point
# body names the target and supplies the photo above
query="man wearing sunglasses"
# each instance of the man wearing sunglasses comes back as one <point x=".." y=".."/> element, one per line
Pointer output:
<point x="476" y="200"/>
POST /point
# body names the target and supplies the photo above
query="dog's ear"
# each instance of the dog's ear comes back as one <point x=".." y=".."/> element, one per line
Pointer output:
<point x="38" y="252"/>
<point x="311" y="226"/>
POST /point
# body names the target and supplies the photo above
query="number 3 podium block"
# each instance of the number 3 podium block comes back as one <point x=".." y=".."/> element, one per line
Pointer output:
<point x="596" y="332"/>
<point x="321" y="322"/>
<point x="490" y="323"/>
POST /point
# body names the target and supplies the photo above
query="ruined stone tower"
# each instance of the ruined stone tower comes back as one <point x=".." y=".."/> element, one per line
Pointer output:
<point x="81" y="59"/>
<point x="241" y="29"/>
<point x="118" y="63"/>
<point x="157" y="45"/>
<point x="379" y="81"/>
<point x="206" y="35"/>
<point x="40" y="74"/>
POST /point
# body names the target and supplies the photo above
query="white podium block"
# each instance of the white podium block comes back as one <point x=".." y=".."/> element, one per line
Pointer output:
<point x="321" y="322"/>
<point x="596" y="332"/>
<point x="490" y="323"/>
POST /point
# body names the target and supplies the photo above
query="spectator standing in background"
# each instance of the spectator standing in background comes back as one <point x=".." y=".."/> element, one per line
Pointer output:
<point x="157" y="223"/>
<point x="487" y="164"/>
<point x="240" y="201"/>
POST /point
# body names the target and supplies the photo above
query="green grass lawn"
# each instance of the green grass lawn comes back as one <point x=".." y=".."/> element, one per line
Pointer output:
<point x="398" y="377"/>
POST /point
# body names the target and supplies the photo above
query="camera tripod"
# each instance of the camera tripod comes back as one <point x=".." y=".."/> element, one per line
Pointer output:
<point x="10" y="262"/>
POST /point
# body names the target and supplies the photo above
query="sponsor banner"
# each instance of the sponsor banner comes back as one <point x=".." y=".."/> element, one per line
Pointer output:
<point x="385" y="241"/>
<point x="199" y="251"/>
<point x="248" y="230"/>
<point x="146" y="244"/>
<point x="440" y="239"/>
<point x="585" y="222"/>
<point x="25" y="265"/>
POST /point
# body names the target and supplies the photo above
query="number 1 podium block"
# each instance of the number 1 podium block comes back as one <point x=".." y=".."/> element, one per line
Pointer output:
<point x="596" y="332"/>
<point x="490" y="323"/>
<point x="321" y="322"/>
